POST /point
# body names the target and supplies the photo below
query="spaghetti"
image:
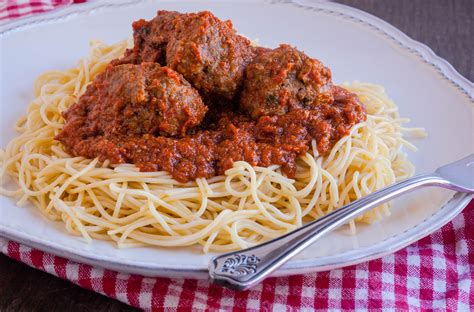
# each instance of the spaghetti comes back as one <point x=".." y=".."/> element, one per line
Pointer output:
<point x="246" y="206"/>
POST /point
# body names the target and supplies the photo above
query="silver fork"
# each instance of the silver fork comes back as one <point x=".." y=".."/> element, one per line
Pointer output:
<point x="243" y="269"/>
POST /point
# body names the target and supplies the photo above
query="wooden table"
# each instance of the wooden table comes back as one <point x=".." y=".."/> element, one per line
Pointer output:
<point x="447" y="26"/>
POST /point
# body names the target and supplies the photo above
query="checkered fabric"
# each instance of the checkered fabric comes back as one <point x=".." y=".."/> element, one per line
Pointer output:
<point x="435" y="273"/>
<point x="11" y="9"/>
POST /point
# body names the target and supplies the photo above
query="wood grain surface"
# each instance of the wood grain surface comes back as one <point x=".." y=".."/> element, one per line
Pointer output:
<point x="447" y="26"/>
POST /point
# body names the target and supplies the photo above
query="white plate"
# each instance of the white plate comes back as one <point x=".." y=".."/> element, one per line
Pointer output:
<point x="355" y="45"/>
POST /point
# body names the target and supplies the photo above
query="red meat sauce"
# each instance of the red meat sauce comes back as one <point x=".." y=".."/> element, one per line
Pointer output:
<point x="162" y="117"/>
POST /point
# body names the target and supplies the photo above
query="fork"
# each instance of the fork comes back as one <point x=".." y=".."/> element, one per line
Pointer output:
<point x="240" y="270"/>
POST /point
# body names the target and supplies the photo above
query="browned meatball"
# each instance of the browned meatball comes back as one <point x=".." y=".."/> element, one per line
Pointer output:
<point x="210" y="54"/>
<point x="151" y="38"/>
<point x="130" y="101"/>
<point x="283" y="79"/>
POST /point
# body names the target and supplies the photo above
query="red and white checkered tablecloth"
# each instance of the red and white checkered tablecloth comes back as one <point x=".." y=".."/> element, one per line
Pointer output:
<point x="435" y="273"/>
<point x="11" y="9"/>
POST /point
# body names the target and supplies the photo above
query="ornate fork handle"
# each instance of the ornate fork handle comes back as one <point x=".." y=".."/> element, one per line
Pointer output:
<point x="241" y="270"/>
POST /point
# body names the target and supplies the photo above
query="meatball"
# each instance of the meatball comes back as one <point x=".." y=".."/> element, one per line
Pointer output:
<point x="151" y="38"/>
<point x="131" y="101"/>
<point x="205" y="50"/>
<point x="210" y="55"/>
<point x="283" y="79"/>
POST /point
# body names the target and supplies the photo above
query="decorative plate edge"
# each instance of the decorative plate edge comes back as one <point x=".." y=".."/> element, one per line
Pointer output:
<point x="421" y="50"/>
